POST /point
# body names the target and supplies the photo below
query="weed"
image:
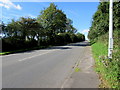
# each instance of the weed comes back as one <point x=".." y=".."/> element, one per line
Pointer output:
<point x="77" y="69"/>
<point x="108" y="69"/>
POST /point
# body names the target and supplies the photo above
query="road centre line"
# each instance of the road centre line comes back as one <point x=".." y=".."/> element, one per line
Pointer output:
<point x="35" y="55"/>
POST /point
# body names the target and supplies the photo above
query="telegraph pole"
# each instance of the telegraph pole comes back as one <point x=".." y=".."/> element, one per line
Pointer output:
<point x="110" y="45"/>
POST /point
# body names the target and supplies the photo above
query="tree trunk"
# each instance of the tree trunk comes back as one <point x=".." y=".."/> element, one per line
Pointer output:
<point x="38" y="37"/>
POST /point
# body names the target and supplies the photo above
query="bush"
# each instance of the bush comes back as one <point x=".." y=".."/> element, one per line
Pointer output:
<point x="59" y="40"/>
<point x="11" y="44"/>
<point x="80" y="37"/>
<point x="17" y="43"/>
<point x="65" y="38"/>
<point x="73" y="38"/>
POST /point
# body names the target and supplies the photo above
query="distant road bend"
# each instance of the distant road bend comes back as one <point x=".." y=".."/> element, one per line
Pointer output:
<point x="48" y="68"/>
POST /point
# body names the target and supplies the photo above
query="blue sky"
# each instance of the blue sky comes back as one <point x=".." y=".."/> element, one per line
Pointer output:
<point x="80" y="12"/>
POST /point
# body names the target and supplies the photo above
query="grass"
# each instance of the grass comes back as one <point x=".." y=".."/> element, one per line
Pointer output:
<point x="4" y="53"/>
<point x="108" y="69"/>
<point x="99" y="50"/>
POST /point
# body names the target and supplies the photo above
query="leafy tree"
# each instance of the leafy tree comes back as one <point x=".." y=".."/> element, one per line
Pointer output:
<point x="100" y="23"/>
<point x="69" y="27"/>
<point x="53" y="20"/>
<point x="39" y="31"/>
<point x="52" y="27"/>
<point x="31" y="29"/>
<point x="80" y="37"/>
<point x="65" y="38"/>
<point x="12" y="29"/>
<point x="27" y="25"/>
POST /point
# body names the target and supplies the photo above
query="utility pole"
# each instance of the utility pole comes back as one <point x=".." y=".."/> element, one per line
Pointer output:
<point x="110" y="45"/>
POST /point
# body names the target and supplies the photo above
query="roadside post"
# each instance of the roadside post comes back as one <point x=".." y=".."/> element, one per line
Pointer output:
<point x="110" y="45"/>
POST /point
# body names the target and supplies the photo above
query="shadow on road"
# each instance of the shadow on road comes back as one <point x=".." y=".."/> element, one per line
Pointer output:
<point x="66" y="47"/>
<point x="80" y="44"/>
<point x="59" y="47"/>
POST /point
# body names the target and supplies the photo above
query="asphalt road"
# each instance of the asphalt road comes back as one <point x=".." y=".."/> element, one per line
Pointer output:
<point x="46" y="68"/>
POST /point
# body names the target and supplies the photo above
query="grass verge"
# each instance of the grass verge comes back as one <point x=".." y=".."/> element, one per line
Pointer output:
<point x="108" y="69"/>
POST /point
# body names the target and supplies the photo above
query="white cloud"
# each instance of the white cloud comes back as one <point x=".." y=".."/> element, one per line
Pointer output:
<point x="3" y="5"/>
<point x="8" y="4"/>
<point x="18" y="7"/>
<point x="85" y="31"/>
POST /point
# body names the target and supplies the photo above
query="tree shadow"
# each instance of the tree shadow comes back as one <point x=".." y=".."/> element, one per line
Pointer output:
<point x="84" y="44"/>
<point x="67" y="47"/>
<point x="58" y="47"/>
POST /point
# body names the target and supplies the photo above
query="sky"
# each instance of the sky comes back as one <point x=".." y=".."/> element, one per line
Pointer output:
<point x="79" y="12"/>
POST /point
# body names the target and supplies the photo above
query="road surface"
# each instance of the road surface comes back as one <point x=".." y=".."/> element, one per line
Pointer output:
<point x="46" y="68"/>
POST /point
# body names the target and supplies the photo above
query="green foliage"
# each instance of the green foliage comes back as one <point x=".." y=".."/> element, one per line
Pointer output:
<point x="53" y="20"/>
<point x="65" y="37"/>
<point x="69" y="27"/>
<point x="29" y="28"/>
<point x="77" y="69"/>
<point x="80" y="37"/>
<point x="100" y="23"/>
<point x="107" y="68"/>
<point x="52" y="27"/>
<point x="12" y="29"/>
<point x="73" y="38"/>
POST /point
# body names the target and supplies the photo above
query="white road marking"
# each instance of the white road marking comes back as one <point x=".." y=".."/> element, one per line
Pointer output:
<point x="35" y="55"/>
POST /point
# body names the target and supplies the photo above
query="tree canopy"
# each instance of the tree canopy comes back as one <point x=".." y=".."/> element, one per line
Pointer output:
<point x="51" y="27"/>
<point x="100" y="22"/>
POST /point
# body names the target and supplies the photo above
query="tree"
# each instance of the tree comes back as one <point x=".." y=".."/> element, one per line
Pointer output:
<point x="52" y="27"/>
<point x="100" y="23"/>
<point x="2" y="29"/>
<point x="31" y="29"/>
<point x="69" y="26"/>
<point x="13" y="29"/>
<point x="26" y="27"/>
<point x="80" y="37"/>
<point x="53" y="20"/>
<point x="39" y="30"/>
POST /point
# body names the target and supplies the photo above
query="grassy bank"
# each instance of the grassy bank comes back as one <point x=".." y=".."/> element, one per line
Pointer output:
<point x="108" y="69"/>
